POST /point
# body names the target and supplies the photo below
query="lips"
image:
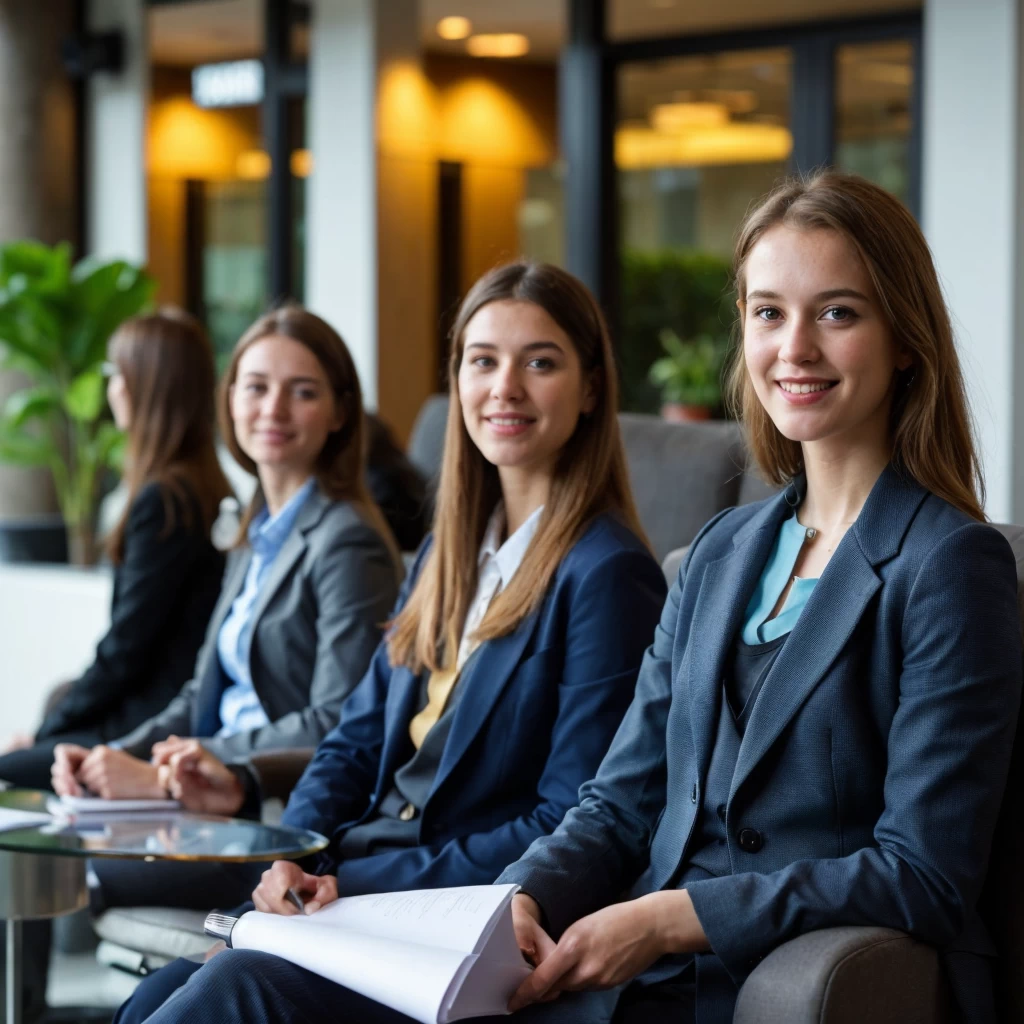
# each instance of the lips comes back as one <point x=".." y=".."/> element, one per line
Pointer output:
<point x="806" y="387"/>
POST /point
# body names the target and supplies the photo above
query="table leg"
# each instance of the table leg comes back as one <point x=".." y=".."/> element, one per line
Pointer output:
<point x="13" y="1000"/>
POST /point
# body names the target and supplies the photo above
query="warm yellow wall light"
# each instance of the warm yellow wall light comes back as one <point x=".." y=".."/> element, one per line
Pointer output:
<point x="253" y="165"/>
<point x="673" y="117"/>
<point x="501" y="44"/>
<point x="637" y="147"/>
<point x="454" y="27"/>
<point x="301" y="163"/>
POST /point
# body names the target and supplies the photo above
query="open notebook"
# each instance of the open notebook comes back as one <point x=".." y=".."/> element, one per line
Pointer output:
<point x="436" y="955"/>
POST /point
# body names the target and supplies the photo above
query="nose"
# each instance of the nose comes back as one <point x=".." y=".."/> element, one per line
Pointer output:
<point x="506" y="385"/>
<point x="275" y="405"/>
<point x="799" y="344"/>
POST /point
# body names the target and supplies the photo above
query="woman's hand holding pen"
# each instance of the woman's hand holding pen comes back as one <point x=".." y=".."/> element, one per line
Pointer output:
<point x="271" y="895"/>
<point x="607" y="948"/>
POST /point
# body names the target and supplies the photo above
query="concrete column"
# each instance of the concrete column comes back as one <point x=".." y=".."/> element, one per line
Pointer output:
<point x="972" y="215"/>
<point x="38" y="186"/>
<point x="371" y="200"/>
<point x="116" y="138"/>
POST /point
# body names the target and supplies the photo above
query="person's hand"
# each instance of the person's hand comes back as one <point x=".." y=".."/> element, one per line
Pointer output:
<point x="19" y="741"/>
<point x="614" y="945"/>
<point x="199" y="780"/>
<point x="67" y="759"/>
<point x="534" y="943"/>
<point x="270" y="895"/>
<point x="116" y="775"/>
<point x="163" y="750"/>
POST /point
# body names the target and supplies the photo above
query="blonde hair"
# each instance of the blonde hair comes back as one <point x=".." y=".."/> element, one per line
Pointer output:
<point x="590" y="478"/>
<point x="340" y="468"/>
<point x="930" y="424"/>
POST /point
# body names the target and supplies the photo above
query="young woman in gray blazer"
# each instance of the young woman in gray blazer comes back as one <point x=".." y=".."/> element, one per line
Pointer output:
<point x="309" y="586"/>
<point x="822" y="729"/>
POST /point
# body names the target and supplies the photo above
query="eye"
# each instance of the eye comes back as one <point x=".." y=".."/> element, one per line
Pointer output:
<point x="768" y="314"/>
<point x="307" y="394"/>
<point x="483" y="362"/>
<point x="542" y="363"/>
<point x="841" y="314"/>
<point x="255" y="388"/>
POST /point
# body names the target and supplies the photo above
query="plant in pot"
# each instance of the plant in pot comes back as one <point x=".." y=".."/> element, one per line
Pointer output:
<point x="689" y="376"/>
<point x="55" y="320"/>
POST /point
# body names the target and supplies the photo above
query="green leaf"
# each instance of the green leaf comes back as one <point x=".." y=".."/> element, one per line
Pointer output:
<point x="32" y="265"/>
<point x="103" y="296"/>
<point x="108" y="446"/>
<point x="31" y="403"/>
<point x="84" y="396"/>
<point x="24" y="449"/>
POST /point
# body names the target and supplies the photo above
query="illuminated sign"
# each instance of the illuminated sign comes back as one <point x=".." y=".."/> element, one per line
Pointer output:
<point x="238" y="83"/>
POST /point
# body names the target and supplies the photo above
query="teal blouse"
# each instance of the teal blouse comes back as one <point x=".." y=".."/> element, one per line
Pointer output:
<point x="757" y="628"/>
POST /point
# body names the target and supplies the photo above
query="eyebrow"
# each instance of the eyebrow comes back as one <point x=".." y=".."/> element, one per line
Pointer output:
<point x="259" y="375"/>
<point x="832" y="293"/>
<point x="533" y="346"/>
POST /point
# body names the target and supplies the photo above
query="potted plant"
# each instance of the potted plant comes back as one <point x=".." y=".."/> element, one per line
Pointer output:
<point x="689" y="376"/>
<point x="55" y="320"/>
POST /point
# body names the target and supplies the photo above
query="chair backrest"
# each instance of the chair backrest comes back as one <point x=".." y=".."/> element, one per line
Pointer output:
<point x="682" y="473"/>
<point x="1002" y="902"/>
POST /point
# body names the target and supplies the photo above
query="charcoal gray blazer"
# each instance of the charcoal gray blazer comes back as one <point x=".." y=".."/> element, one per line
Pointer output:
<point x="317" y="621"/>
<point x="872" y="767"/>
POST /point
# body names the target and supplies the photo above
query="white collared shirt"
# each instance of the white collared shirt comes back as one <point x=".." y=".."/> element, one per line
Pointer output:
<point x="496" y="565"/>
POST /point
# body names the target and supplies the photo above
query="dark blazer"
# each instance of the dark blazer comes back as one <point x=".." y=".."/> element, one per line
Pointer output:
<point x="317" y="622"/>
<point x="873" y="764"/>
<point x="537" y="712"/>
<point x="164" y="591"/>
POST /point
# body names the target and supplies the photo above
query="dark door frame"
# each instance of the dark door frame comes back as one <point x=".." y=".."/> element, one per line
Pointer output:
<point x="588" y="114"/>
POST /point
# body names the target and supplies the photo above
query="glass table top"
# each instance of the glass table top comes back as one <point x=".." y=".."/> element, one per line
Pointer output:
<point x="151" y="835"/>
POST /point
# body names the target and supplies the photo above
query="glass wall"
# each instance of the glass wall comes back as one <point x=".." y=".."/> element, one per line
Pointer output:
<point x="698" y="139"/>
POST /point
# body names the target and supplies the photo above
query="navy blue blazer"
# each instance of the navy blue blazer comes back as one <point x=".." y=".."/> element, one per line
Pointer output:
<point x="873" y="763"/>
<point x="537" y="711"/>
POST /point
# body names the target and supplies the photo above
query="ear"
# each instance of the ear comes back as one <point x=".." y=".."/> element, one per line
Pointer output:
<point x="904" y="358"/>
<point x="340" y="418"/>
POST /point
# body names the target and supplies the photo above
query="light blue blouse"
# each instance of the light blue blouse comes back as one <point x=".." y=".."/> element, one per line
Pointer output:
<point x="240" y="707"/>
<point x="758" y="628"/>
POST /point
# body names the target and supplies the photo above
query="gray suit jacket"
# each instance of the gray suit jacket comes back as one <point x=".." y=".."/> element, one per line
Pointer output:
<point x="317" y="622"/>
<point x="872" y="768"/>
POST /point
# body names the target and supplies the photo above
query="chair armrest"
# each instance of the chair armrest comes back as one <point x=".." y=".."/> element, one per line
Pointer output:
<point x="277" y="772"/>
<point x="847" y="976"/>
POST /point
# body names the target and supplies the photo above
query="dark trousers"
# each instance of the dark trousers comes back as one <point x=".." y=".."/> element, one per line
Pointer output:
<point x="239" y="985"/>
<point x="30" y="768"/>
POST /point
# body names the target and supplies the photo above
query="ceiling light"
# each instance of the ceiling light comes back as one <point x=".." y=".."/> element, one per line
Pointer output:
<point x="503" y="44"/>
<point x="674" y="117"/>
<point x="253" y="165"/>
<point x="454" y="27"/>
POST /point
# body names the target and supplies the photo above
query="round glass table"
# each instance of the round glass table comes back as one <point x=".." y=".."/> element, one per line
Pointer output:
<point x="42" y="860"/>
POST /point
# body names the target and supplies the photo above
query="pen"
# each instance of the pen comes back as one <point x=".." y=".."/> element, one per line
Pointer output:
<point x="295" y="899"/>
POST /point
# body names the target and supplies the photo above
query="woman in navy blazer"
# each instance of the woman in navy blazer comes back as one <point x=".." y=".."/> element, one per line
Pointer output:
<point x="822" y="729"/>
<point x="511" y="657"/>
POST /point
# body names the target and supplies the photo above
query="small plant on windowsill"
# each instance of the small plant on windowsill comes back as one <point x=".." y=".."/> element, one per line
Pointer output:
<point x="55" y="320"/>
<point x="689" y="376"/>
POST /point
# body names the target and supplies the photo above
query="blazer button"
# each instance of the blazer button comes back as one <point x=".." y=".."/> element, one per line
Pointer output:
<point x="407" y="813"/>
<point x="750" y="840"/>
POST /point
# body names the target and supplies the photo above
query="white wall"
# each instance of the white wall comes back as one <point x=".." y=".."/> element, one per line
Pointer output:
<point x="50" y="620"/>
<point x="116" y="138"/>
<point x="972" y="212"/>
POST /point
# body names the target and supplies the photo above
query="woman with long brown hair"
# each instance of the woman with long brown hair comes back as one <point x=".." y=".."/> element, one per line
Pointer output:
<point x="822" y="732"/>
<point x="309" y="585"/>
<point x="511" y="656"/>
<point x="166" y="572"/>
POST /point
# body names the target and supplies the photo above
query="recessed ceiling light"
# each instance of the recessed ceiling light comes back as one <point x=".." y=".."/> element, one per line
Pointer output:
<point x="503" y="44"/>
<point x="454" y="27"/>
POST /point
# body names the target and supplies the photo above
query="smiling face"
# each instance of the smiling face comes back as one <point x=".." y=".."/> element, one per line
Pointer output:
<point x="521" y="386"/>
<point x="818" y="350"/>
<point x="282" y="406"/>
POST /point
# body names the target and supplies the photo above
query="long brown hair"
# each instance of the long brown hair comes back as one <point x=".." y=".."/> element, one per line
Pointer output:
<point x="167" y="364"/>
<point x="340" y="468"/>
<point x="931" y="431"/>
<point x="590" y="477"/>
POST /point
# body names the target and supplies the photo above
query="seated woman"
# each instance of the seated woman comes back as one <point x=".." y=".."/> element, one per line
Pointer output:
<point x="166" y="572"/>
<point x="313" y="578"/>
<point x="514" y="649"/>
<point x="822" y="729"/>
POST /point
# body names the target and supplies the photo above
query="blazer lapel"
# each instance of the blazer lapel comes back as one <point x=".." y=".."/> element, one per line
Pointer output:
<point x="399" y="707"/>
<point x="830" y="616"/>
<point x="234" y="580"/>
<point x="291" y="551"/>
<point x="725" y="590"/>
<point x="488" y="673"/>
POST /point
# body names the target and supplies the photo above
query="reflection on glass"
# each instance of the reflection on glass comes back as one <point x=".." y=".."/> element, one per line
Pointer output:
<point x="698" y="139"/>
<point x="874" y="84"/>
<point x="541" y="214"/>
